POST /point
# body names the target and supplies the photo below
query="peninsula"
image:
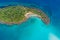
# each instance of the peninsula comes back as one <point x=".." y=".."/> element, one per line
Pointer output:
<point x="19" y="14"/>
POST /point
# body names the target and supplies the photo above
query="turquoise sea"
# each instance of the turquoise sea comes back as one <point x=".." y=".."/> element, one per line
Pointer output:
<point x="33" y="28"/>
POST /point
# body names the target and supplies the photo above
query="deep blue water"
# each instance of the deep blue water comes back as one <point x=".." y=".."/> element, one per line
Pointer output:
<point x="33" y="28"/>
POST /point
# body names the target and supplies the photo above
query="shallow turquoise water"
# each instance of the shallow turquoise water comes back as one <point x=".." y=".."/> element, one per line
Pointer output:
<point x="32" y="29"/>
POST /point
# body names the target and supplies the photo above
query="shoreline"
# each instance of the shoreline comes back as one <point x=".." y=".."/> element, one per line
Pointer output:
<point x="22" y="17"/>
<point x="43" y="19"/>
<point x="27" y="15"/>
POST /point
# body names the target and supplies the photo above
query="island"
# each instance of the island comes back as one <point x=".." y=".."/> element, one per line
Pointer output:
<point x="19" y="14"/>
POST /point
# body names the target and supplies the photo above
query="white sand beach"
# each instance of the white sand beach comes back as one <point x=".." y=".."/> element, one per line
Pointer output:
<point x="29" y="14"/>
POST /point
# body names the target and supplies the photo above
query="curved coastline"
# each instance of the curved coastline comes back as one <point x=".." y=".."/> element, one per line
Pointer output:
<point x="31" y="12"/>
<point x="45" y="20"/>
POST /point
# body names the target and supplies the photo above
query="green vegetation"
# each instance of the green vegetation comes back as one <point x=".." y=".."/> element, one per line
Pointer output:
<point x="15" y="14"/>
